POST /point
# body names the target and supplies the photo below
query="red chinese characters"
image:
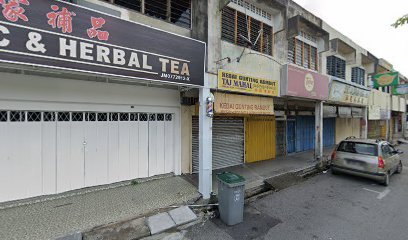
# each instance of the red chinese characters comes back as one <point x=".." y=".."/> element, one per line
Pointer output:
<point x="12" y="10"/>
<point x="61" y="19"/>
<point x="97" y="23"/>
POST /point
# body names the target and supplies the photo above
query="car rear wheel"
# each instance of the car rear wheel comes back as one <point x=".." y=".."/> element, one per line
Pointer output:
<point x="399" y="168"/>
<point x="386" y="180"/>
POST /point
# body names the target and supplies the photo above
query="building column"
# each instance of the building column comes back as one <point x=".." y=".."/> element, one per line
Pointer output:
<point x="205" y="144"/>
<point x="403" y="127"/>
<point x="364" y="130"/>
<point x="319" y="132"/>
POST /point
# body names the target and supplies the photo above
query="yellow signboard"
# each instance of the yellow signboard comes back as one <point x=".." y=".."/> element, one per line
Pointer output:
<point x="234" y="82"/>
<point x="242" y="104"/>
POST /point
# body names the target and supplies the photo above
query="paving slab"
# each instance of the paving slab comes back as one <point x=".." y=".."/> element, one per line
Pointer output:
<point x="160" y="222"/>
<point x="62" y="216"/>
<point x="182" y="215"/>
<point x="133" y="229"/>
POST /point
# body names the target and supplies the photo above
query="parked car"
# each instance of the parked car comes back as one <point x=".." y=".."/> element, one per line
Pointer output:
<point x="370" y="158"/>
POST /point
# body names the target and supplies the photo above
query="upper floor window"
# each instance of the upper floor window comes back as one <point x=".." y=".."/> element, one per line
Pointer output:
<point x="336" y="67"/>
<point x="251" y="7"/>
<point x="358" y="75"/>
<point x="302" y="54"/>
<point x="174" y="11"/>
<point x="236" y="25"/>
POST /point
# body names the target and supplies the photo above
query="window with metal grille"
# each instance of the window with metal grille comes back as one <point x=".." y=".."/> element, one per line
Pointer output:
<point x="174" y="11"/>
<point x="124" y="117"/>
<point x="90" y="117"/>
<point x="143" y="117"/>
<point x="49" y="116"/>
<point x="358" y="75"/>
<point x="17" y="116"/>
<point x="3" y="116"/>
<point x="302" y="54"/>
<point x="336" y="67"/>
<point x="77" y="116"/>
<point x="169" y="117"/>
<point x="133" y="117"/>
<point x="113" y="117"/>
<point x="33" y="116"/>
<point x="235" y="26"/>
<point x="160" y="117"/>
<point x="64" y="116"/>
<point x="102" y="117"/>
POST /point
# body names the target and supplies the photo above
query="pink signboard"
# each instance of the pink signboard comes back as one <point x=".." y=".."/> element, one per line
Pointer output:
<point x="300" y="82"/>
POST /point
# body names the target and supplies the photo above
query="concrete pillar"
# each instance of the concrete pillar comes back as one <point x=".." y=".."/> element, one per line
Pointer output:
<point x="205" y="144"/>
<point x="364" y="128"/>
<point x="387" y="134"/>
<point x="319" y="132"/>
<point x="403" y="127"/>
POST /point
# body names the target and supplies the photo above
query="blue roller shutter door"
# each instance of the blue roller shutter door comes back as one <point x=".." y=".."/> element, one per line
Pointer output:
<point x="305" y="133"/>
<point x="329" y="130"/>
<point x="291" y="135"/>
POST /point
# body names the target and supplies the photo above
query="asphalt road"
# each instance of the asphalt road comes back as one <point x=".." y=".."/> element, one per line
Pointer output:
<point x="324" y="207"/>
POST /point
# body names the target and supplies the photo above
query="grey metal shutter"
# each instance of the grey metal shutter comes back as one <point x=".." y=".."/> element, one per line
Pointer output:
<point x="228" y="142"/>
<point x="280" y="138"/>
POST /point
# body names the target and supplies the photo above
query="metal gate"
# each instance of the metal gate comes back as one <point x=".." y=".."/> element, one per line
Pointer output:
<point x="227" y="142"/>
<point x="329" y="131"/>
<point x="305" y="133"/>
<point x="280" y="138"/>
<point x="62" y="151"/>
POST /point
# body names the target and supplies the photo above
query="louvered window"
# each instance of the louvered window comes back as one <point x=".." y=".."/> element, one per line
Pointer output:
<point x="336" y="67"/>
<point x="174" y="11"/>
<point x="181" y="13"/>
<point x="357" y="75"/>
<point x="302" y="54"/>
<point x="131" y="4"/>
<point x="236" y="25"/>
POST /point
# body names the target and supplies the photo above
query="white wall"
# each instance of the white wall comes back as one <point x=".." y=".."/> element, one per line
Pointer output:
<point x="18" y="91"/>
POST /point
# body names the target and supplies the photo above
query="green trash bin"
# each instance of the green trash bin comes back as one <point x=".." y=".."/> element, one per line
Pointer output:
<point x="231" y="197"/>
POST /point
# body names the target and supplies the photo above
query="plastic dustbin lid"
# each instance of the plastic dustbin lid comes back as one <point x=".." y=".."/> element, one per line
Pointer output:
<point x="231" y="179"/>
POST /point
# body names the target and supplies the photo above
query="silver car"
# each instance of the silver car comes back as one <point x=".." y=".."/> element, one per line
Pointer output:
<point x="370" y="158"/>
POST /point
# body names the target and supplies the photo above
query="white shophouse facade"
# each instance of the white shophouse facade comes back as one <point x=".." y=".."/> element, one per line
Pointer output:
<point x="62" y="130"/>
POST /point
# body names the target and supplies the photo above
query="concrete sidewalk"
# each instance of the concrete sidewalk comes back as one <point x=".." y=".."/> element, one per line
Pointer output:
<point x="64" y="215"/>
<point x="257" y="173"/>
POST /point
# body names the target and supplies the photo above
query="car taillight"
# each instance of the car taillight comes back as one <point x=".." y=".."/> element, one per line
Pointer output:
<point x="380" y="162"/>
<point x="333" y="156"/>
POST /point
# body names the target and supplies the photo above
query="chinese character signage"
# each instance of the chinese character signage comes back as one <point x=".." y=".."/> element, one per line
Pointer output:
<point x="386" y="79"/>
<point x="242" y="104"/>
<point x="300" y="82"/>
<point x="61" y="35"/>
<point x="240" y="83"/>
<point x="345" y="92"/>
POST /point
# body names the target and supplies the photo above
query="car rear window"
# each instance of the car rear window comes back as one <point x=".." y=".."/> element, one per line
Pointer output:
<point x="359" y="148"/>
